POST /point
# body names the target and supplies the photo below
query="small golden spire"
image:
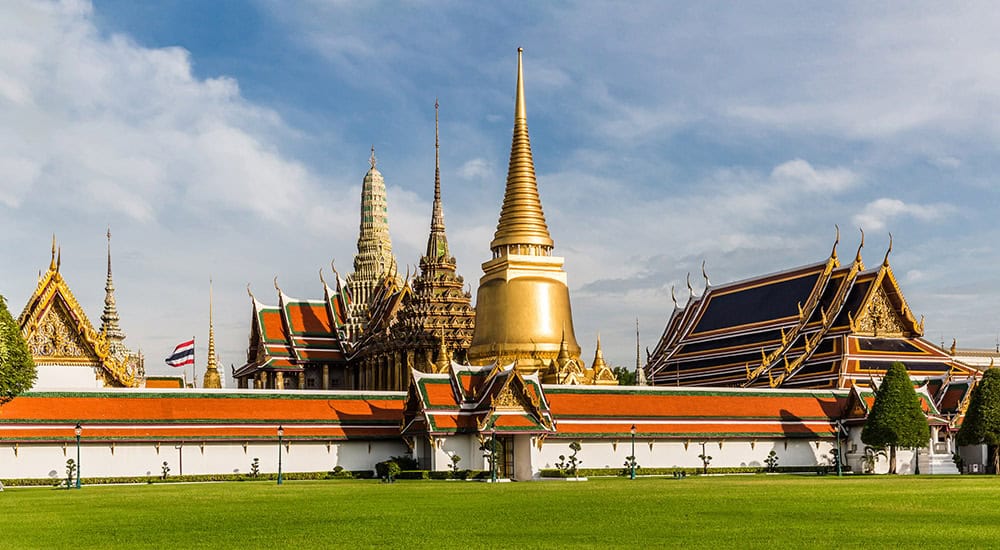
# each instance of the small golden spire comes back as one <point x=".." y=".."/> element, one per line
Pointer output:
<point x="705" y="275"/>
<point x="372" y="160"/>
<point x="599" y="362"/>
<point x="211" y="378"/>
<point x="522" y="221"/>
<point x="885" y="261"/>
<point x="673" y="297"/>
<point x="58" y="258"/>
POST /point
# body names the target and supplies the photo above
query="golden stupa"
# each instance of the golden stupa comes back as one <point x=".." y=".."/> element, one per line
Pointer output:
<point x="523" y="310"/>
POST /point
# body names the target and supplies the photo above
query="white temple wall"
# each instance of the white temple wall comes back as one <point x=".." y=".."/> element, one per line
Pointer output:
<point x="673" y="454"/>
<point x="47" y="460"/>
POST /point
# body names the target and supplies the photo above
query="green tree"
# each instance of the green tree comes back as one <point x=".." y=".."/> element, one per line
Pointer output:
<point x="896" y="418"/>
<point x="17" y="369"/>
<point x="625" y="376"/>
<point x="982" y="419"/>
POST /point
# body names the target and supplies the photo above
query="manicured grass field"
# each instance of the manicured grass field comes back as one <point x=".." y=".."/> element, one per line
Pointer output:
<point x="734" y="511"/>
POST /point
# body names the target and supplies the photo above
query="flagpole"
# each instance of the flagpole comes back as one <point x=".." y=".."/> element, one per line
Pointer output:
<point x="194" y="365"/>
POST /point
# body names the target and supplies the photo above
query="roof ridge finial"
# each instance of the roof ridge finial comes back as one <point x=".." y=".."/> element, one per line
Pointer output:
<point x="673" y="297"/>
<point x="708" y="283"/>
<point x="372" y="160"/>
<point x="885" y="261"/>
<point x="836" y="241"/>
<point x="690" y="288"/>
<point x="58" y="259"/>
<point x="857" y="257"/>
<point x="52" y="264"/>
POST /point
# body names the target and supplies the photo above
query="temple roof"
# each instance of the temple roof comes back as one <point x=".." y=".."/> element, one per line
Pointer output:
<point x="199" y="416"/>
<point x="467" y="399"/>
<point x="297" y="333"/>
<point x="821" y="325"/>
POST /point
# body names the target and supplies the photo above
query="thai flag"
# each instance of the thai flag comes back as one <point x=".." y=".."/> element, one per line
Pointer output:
<point x="183" y="354"/>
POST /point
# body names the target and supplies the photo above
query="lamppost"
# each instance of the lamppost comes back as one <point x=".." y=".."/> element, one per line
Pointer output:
<point x="493" y="455"/>
<point x="840" y="457"/>
<point x="632" y="461"/>
<point x="281" y="433"/>
<point x="78" y="431"/>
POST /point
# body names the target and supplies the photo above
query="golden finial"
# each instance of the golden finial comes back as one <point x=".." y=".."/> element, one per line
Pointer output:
<point x="372" y="160"/>
<point x="52" y="264"/>
<point x="522" y="221"/>
<point x="885" y="262"/>
<point x="334" y="268"/>
<point x="954" y="345"/>
<point x="673" y="296"/>
<point x="857" y="257"/>
<point x="690" y="288"/>
<point x="58" y="258"/>
<point x="276" y="287"/>
<point x="705" y="275"/>
<point x="250" y="292"/>
<point x="836" y="241"/>
<point x="321" y="279"/>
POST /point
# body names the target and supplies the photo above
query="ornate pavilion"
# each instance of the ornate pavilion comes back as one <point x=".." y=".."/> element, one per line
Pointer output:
<point x="66" y="348"/>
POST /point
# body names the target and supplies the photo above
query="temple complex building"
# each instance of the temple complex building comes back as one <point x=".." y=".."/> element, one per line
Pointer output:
<point x="429" y="321"/>
<point x="67" y="350"/>
<point x="298" y="344"/>
<point x="818" y="326"/>
<point x="523" y="311"/>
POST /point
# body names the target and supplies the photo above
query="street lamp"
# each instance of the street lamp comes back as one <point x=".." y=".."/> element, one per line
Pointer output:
<point x="632" y="461"/>
<point x="840" y="457"/>
<point x="493" y="455"/>
<point x="281" y="433"/>
<point x="78" y="431"/>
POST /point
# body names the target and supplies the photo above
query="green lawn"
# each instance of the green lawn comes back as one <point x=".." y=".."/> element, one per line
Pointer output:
<point x="734" y="511"/>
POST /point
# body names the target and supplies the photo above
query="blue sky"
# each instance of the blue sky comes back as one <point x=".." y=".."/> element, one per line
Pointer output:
<point x="229" y="140"/>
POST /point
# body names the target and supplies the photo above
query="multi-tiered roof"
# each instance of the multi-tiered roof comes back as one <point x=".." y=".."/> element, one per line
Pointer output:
<point x="823" y="325"/>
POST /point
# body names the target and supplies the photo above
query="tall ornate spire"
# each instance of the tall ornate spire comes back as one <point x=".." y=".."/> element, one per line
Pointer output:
<point x="212" y="379"/>
<point x="374" y="259"/>
<point x="437" y="243"/>
<point x="110" y="319"/>
<point x="522" y="228"/>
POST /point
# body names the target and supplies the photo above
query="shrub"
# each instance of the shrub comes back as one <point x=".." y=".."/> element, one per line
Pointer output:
<point x="339" y="472"/>
<point x="255" y="468"/>
<point x="164" y="470"/>
<point x="771" y="461"/>
<point x="414" y="474"/>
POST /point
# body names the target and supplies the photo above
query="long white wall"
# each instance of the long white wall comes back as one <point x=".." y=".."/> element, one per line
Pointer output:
<point x="144" y="459"/>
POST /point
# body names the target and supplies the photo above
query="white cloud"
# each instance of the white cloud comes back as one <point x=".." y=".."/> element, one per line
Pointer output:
<point x="880" y="212"/>
<point x="476" y="169"/>
<point x="799" y="173"/>
<point x="102" y="123"/>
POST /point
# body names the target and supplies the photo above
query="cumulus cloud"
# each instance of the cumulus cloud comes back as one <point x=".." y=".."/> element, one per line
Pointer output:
<point x="878" y="213"/>
<point x="101" y="123"/>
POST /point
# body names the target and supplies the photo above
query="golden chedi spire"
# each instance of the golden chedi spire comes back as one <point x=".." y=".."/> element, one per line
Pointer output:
<point x="522" y="222"/>
<point x="523" y="301"/>
<point x="212" y="378"/>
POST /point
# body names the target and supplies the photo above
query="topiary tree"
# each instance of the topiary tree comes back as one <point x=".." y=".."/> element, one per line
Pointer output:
<point x="17" y="369"/>
<point x="982" y="419"/>
<point x="896" y="418"/>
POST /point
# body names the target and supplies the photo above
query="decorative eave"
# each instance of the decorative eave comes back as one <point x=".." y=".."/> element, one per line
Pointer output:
<point x="867" y="322"/>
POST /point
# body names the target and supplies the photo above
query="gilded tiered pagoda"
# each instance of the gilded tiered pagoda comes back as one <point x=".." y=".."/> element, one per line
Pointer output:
<point x="523" y="312"/>
<point x="374" y="260"/>
<point x="823" y="325"/>
<point x="427" y="322"/>
<point x="66" y="348"/>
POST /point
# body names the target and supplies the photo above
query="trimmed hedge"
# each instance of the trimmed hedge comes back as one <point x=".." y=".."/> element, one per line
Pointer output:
<point x="291" y="476"/>
<point x="609" y="472"/>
